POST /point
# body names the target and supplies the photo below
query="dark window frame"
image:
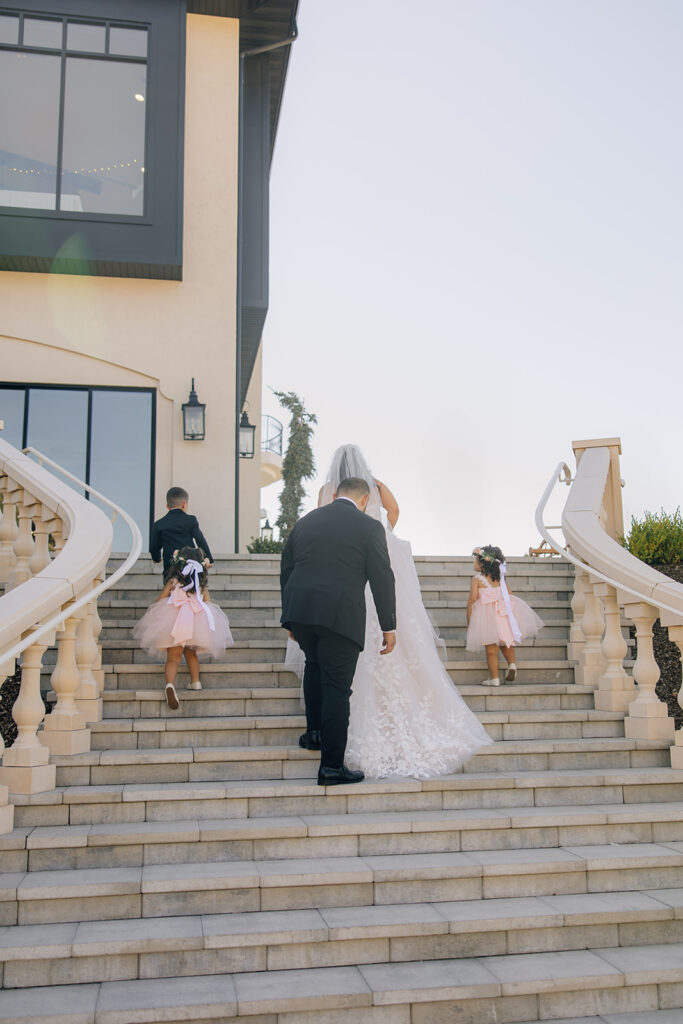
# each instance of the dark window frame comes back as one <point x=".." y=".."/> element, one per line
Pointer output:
<point x="115" y="245"/>
<point x="63" y="52"/>
<point x="90" y="388"/>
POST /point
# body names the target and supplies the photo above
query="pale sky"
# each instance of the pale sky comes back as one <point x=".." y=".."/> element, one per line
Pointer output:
<point x="476" y="251"/>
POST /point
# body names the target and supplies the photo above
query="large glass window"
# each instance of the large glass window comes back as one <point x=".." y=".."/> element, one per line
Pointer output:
<point x="12" y="403"/>
<point x="121" y="455"/>
<point x="73" y="115"/>
<point x="58" y="426"/>
<point x="104" y="436"/>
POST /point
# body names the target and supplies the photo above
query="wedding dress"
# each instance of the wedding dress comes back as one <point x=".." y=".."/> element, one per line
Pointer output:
<point x="407" y="717"/>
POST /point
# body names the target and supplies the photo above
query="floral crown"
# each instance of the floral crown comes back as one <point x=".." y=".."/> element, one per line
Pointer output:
<point x="179" y="559"/>
<point x="485" y="554"/>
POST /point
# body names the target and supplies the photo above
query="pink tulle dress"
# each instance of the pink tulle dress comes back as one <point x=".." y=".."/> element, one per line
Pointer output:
<point x="184" y="620"/>
<point x="490" y="620"/>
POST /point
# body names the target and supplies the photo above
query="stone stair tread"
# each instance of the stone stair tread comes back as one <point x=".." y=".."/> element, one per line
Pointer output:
<point x="338" y="988"/>
<point x="637" y="1017"/>
<point x="566" y="778"/>
<point x="83" y="882"/>
<point x="247" y="667"/>
<point x="220" y="931"/>
<point x="266" y="693"/>
<point x="192" y="830"/>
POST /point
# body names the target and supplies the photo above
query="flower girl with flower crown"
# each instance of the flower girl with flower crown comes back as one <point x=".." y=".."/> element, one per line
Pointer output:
<point x="184" y="621"/>
<point x="494" y="617"/>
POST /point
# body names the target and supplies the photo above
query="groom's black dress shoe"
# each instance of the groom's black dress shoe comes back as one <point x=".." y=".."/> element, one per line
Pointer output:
<point x="310" y="740"/>
<point x="338" y="776"/>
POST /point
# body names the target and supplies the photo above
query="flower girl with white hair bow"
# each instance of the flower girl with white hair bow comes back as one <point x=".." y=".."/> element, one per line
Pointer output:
<point x="494" y="617"/>
<point x="184" y="621"/>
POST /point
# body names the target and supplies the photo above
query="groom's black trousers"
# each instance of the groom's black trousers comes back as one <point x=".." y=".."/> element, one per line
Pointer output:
<point x="330" y="666"/>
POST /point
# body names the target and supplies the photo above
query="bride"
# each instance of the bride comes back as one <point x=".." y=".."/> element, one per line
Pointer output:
<point x="407" y="718"/>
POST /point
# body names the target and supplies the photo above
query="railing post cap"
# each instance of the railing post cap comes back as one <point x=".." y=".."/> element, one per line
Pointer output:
<point x="597" y="442"/>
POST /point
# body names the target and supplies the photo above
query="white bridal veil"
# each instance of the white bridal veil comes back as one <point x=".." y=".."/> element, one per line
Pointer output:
<point x="349" y="461"/>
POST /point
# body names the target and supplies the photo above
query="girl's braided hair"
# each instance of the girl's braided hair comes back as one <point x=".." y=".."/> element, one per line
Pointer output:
<point x="490" y="559"/>
<point x="180" y="558"/>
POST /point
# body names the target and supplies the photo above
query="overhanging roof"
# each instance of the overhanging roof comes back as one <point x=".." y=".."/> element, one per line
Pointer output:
<point x="262" y="23"/>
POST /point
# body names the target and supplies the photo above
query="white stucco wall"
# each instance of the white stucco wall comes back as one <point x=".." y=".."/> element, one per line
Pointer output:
<point x="142" y="333"/>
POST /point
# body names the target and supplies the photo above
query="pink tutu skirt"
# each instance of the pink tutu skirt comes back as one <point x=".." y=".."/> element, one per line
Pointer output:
<point x="490" y="623"/>
<point x="162" y="627"/>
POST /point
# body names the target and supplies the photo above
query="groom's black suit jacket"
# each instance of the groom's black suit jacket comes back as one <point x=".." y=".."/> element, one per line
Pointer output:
<point x="329" y="557"/>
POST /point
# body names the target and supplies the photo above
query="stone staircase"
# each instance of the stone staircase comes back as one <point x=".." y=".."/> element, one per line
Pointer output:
<point x="188" y="868"/>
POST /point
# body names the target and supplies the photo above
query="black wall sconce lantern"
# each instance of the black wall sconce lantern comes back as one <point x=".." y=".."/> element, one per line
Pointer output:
<point x="266" y="531"/>
<point x="247" y="432"/>
<point x="194" y="417"/>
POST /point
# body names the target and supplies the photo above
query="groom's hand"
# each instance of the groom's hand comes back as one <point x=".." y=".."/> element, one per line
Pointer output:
<point x="388" y="643"/>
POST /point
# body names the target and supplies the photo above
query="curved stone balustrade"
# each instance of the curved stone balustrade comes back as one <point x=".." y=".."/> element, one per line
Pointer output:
<point x="610" y="578"/>
<point x="50" y="597"/>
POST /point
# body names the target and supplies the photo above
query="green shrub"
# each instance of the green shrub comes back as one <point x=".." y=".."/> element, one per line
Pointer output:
<point x="263" y="546"/>
<point x="656" y="538"/>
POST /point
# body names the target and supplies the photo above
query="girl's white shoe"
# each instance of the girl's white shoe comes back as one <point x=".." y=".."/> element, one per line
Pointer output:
<point x="196" y="685"/>
<point x="172" y="697"/>
<point x="491" y="682"/>
<point x="511" y="673"/>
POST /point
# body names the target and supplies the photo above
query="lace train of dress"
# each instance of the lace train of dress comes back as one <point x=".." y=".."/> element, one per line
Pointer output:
<point x="407" y="717"/>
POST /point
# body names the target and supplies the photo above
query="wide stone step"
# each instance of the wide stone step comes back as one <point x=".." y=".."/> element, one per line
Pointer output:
<point x="124" y="650"/>
<point x="227" y="887"/>
<point x="210" y="944"/>
<point x="442" y="613"/>
<point x="196" y="840"/>
<point x="454" y="565"/>
<point x="254" y="703"/>
<point x="217" y="674"/>
<point x="422" y="992"/>
<point x="217" y="800"/>
<point x="119" y="629"/>
<point x="258" y="594"/>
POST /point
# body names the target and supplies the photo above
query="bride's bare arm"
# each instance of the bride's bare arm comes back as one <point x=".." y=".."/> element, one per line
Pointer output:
<point x="320" y="496"/>
<point x="388" y="502"/>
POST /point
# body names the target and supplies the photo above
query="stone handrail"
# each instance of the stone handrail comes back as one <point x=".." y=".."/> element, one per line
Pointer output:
<point x="51" y="597"/>
<point x="608" y="578"/>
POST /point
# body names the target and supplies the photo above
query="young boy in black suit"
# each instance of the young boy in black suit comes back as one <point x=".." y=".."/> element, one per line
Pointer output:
<point x="176" y="530"/>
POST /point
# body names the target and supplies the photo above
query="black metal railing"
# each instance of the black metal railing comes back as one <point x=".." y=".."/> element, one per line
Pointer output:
<point x="271" y="435"/>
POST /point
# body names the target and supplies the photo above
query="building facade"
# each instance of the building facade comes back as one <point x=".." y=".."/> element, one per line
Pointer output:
<point x="134" y="158"/>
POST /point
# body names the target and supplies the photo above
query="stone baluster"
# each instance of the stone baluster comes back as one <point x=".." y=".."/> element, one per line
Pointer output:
<point x="8" y="530"/>
<point x="58" y="536"/>
<point x="64" y="731"/>
<point x="25" y="765"/>
<point x="591" y="663"/>
<point x="647" y="717"/>
<point x="616" y="689"/>
<point x="576" y="637"/>
<point x="88" y="699"/>
<point x="676" y="636"/>
<point x="96" y="623"/>
<point x="42" y="527"/>
<point x="23" y="545"/>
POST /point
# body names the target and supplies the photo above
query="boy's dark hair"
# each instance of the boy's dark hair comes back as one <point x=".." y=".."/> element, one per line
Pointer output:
<point x="175" y="496"/>
<point x="490" y="559"/>
<point x="353" y="485"/>
<point x="180" y="559"/>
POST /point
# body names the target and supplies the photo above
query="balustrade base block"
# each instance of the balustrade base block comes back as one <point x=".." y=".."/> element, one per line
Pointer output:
<point x="27" y="781"/>
<point x="71" y="741"/>
<point x="92" y="710"/>
<point x="649" y="729"/>
<point x="614" y="700"/>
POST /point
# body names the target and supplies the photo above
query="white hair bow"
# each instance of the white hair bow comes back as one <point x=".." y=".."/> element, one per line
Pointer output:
<point x="195" y="568"/>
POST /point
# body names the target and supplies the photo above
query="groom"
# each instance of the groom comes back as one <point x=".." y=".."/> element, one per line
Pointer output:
<point x="329" y="557"/>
